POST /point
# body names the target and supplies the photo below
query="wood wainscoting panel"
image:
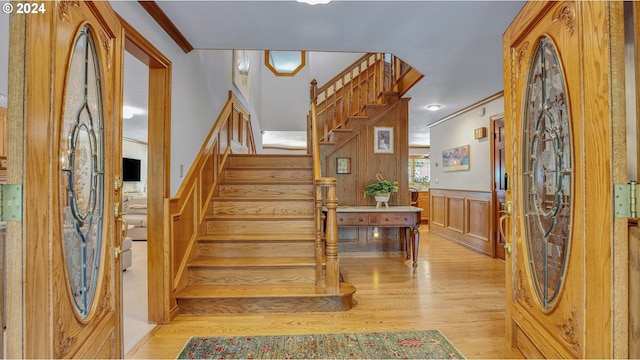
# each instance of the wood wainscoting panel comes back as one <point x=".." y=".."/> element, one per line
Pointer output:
<point x="479" y="219"/>
<point x="455" y="213"/>
<point x="463" y="216"/>
<point x="437" y="209"/>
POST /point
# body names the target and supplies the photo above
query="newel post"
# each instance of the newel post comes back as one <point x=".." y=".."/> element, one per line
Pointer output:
<point x="333" y="266"/>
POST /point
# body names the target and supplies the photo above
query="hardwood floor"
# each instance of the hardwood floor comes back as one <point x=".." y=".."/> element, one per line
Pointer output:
<point x="453" y="289"/>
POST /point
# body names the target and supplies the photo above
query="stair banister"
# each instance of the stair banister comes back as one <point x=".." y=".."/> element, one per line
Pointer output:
<point x="332" y="270"/>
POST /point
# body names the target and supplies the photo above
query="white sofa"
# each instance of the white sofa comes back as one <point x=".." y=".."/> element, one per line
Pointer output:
<point x="126" y="258"/>
<point x="135" y="213"/>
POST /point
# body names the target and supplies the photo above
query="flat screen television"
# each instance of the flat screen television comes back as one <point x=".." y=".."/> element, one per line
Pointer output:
<point x="130" y="169"/>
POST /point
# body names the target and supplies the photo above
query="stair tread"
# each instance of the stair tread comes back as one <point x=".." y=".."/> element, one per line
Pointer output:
<point x="253" y="261"/>
<point x="270" y="168"/>
<point x="264" y="198"/>
<point x="256" y="237"/>
<point x="266" y="181"/>
<point x="250" y="217"/>
<point x="258" y="291"/>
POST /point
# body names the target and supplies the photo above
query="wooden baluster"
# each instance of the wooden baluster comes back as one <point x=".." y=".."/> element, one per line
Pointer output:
<point x="325" y="120"/>
<point x="359" y="90"/>
<point x="335" y="107"/>
<point x="343" y="118"/>
<point x="376" y="69"/>
<point x="368" y="99"/>
<point x="351" y="93"/>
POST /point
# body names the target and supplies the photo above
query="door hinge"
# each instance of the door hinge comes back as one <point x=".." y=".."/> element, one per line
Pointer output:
<point x="11" y="202"/>
<point x="625" y="201"/>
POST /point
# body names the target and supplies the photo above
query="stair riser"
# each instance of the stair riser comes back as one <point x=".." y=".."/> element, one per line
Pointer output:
<point x="273" y="207"/>
<point x="254" y="161"/>
<point x="305" y="227"/>
<point x="301" y="191"/>
<point x="337" y="136"/>
<point x="256" y="249"/>
<point x="354" y="123"/>
<point x="252" y="275"/>
<point x="234" y="305"/>
<point x="268" y="175"/>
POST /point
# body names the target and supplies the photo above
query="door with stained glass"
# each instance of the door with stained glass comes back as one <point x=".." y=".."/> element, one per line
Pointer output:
<point x="72" y="76"/>
<point x="561" y="76"/>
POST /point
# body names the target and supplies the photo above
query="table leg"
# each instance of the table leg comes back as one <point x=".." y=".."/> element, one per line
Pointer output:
<point x="407" y="242"/>
<point x="415" y="242"/>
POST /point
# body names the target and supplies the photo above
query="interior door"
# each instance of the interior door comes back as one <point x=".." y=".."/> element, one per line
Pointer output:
<point x="563" y="64"/>
<point x="68" y="61"/>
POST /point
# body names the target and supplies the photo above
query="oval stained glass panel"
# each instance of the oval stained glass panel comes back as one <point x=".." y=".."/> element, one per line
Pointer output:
<point x="547" y="178"/>
<point x="82" y="166"/>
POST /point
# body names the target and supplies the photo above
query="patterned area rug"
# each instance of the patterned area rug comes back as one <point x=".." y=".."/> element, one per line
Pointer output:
<point x="428" y="344"/>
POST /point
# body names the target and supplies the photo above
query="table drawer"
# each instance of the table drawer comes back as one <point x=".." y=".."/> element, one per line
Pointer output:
<point x="392" y="219"/>
<point x="352" y="219"/>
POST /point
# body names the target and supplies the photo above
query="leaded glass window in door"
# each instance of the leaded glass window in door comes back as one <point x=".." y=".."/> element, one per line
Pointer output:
<point x="82" y="171"/>
<point x="547" y="180"/>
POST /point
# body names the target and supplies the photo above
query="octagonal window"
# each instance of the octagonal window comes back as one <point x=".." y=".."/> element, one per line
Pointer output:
<point x="284" y="63"/>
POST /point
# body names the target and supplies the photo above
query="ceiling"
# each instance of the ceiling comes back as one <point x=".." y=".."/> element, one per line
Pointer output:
<point x="457" y="45"/>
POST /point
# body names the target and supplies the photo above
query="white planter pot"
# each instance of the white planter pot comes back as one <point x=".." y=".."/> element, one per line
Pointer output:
<point x="382" y="197"/>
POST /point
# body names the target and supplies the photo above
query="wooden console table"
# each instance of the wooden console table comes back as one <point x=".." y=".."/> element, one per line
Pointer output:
<point x="407" y="217"/>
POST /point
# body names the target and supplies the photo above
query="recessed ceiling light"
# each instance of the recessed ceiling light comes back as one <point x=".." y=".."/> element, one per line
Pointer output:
<point x="433" y="107"/>
<point x="314" y="2"/>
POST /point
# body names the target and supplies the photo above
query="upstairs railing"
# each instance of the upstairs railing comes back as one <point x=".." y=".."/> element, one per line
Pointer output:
<point x="363" y="82"/>
<point x="231" y="133"/>
<point x="330" y="229"/>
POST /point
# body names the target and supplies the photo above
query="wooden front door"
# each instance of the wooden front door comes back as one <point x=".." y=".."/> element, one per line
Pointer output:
<point x="499" y="180"/>
<point x="563" y="74"/>
<point x="66" y="98"/>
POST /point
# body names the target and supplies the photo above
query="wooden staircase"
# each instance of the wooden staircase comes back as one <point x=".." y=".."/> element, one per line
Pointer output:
<point x="258" y="252"/>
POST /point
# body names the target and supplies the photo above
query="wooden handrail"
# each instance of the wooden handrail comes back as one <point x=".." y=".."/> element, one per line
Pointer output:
<point x="185" y="213"/>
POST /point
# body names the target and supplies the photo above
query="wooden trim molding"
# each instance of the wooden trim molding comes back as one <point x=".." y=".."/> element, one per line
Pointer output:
<point x="487" y="100"/>
<point x="166" y="24"/>
<point x="463" y="216"/>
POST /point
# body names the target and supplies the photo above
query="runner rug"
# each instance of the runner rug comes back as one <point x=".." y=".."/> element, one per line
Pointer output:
<point x="428" y="344"/>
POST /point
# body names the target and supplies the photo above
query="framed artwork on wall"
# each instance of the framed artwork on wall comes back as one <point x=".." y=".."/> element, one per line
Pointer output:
<point x="343" y="165"/>
<point x="240" y="73"/>
<point x="383" y="140"/>
<point x="456" y="158"/>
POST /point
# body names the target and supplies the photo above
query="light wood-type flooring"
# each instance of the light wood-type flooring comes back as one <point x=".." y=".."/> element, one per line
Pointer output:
<point x="453" y="289"/>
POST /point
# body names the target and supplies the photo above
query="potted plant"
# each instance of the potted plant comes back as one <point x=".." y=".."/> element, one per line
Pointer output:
<point x="381" y="189"/>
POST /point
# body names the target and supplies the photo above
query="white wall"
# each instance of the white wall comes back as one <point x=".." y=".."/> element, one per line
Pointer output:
<point x="323" y="66"/>
<point x="290" y="114"/>
<point x="195" y="104"/>
<point x="459" y="131"/>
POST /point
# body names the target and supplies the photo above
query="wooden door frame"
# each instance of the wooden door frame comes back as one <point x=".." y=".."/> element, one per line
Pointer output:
<point x="159" y="150"/>
<point x="494" y="192"/>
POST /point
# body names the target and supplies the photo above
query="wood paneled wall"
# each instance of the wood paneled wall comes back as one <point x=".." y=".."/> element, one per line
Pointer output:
<point x="463" y="216"/>
<point x="365" y="164"/>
